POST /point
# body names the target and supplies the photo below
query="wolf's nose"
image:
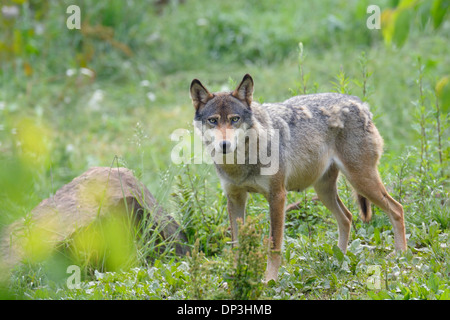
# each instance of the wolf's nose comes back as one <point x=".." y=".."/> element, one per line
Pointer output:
<point x="226" y="145"/>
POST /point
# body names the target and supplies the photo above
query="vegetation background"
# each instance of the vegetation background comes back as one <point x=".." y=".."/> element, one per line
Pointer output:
<point x="112" y="92"/>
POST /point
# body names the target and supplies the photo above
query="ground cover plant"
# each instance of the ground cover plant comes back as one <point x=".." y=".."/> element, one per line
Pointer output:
<point x="112" y="93"/>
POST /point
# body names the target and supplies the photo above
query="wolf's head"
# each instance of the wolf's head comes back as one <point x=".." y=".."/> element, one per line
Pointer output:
<point x="223" y="114"/>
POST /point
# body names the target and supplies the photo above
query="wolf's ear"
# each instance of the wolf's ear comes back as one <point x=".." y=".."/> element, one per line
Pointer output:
<point x="199" y="94"/>
<point x="244" y="91"/>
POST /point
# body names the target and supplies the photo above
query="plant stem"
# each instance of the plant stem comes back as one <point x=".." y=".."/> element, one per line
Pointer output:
<point x="423" y="137"/>
<point x="196" y="198"/>
<point x="300" y="63"/>
<point x="438" y="125"/>
<point x="363" y="63"/>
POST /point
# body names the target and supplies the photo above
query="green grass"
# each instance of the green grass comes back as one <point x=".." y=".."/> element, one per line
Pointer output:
<point x="54" y="126"/>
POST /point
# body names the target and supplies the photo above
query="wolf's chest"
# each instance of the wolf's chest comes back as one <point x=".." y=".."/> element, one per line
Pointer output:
<point x="244" y="179"/>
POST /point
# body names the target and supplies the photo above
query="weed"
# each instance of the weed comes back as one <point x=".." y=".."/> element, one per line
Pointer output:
<point x="341" y="85"/>
<point x="246" y="279"/>
<point x="197" y="271"/>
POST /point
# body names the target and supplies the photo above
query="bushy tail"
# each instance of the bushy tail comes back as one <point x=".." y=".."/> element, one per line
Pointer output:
<point x="365" y="209"/>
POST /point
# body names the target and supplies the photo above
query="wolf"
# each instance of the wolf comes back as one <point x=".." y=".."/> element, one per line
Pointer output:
<point x="311" y="138"/>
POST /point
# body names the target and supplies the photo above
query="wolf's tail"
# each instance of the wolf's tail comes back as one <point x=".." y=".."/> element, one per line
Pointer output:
<point x="365" y="209"/>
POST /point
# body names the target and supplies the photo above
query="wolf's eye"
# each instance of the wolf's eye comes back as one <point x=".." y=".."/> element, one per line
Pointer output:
<point x="234" y="119"/>
<point x="212" y="120"/>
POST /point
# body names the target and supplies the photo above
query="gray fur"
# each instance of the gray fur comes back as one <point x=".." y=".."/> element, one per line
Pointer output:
<point x="310" y="127"/>
<point x="319" y="135"/>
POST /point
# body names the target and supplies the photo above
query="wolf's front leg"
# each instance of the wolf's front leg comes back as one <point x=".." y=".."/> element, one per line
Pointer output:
<point x="277" y="199"/>
<point x="236" y="209"/>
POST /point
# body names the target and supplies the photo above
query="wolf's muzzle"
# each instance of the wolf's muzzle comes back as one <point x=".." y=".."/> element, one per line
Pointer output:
<point x="225" y="145"/>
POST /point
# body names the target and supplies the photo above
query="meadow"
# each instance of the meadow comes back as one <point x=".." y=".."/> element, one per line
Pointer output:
<point x="112" y="92"/>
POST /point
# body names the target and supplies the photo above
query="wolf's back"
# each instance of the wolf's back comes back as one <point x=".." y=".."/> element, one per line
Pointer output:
<point x="335" y="109"/>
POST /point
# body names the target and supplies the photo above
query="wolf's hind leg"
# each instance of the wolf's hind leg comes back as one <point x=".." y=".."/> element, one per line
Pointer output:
<point x="326" y="190"/>
<point x="367" y="182"/>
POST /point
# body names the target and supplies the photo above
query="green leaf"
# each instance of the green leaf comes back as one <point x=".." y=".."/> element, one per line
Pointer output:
<point x="424" y="14"/>
<point x="404" y="4"/>
<point x="406" y="294"/>
<point x="355" y="246"/>
<point x="401" y="27"/>
<point x="433" y="283"/>
<point x="337" y="253"/>
<point x="445" y="295"/>
<point x="388" y="17"/>
<point x="376" y="235"/>
<point x="288" y="254"/>
<point x="271" y="283"/>
<point x="438" y="11"/>
<point x="443" y="93"/>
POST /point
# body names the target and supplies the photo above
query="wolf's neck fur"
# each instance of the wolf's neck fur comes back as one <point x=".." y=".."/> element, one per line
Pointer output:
<point x="237" y="171"/>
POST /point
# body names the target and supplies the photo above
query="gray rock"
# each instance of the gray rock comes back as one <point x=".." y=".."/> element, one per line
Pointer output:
<point x="97" y="194"/>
